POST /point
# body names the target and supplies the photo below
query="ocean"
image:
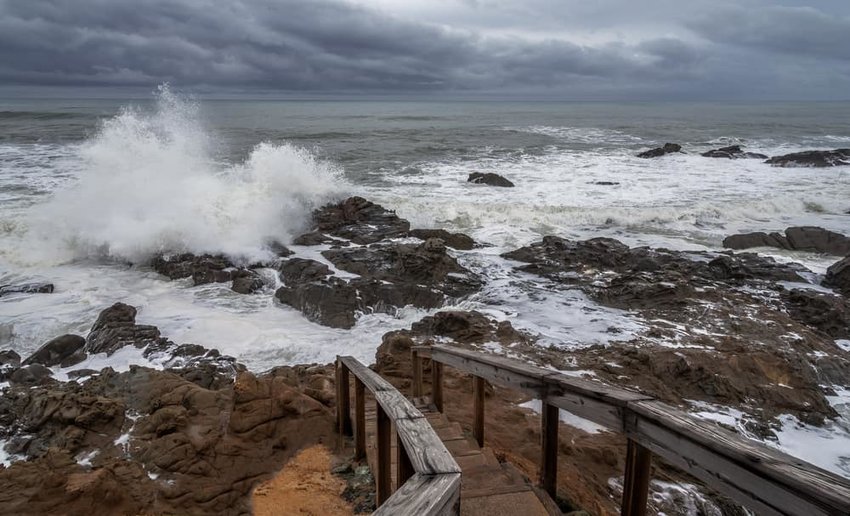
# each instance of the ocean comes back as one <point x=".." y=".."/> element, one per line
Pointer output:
<point x="91" y="189"/>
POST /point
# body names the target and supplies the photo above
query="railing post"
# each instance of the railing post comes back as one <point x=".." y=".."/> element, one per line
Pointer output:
<point x="383" y="477"/>
<point x="437" y="384"/>
<point x="417" y="373"/>
<point x="359" y="419"/>
<point x="343" y="401"/>
<point x="549" y="449"/>
<point x="636" y="481"/>
<point x="478" y="386"/>
<point x="405" y="467"/>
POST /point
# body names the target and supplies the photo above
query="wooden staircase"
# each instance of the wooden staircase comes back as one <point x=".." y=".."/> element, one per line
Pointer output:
<point x="488" y="487"/>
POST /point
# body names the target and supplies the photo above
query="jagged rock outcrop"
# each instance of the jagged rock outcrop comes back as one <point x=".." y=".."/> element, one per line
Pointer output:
<point x="838" y="276"/>
<point x="733" y="152"/>
<point x="667" y="148"/>
<point x="489" y="178"/>
<point x="116" y="327"/>
<point x="359" y="220"/>
<point x="458" y="241"/>
<point x="813" y="158"/>
<point x="798" y="238"/>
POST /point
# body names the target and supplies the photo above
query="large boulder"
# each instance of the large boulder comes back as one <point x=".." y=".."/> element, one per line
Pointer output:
<point x="798" y="238"/>
<point x="359" y="220"/>
<point x="330" y="302"/>
<point x="489" y="178"/>
<point x="668" y="148"/>
<point x="733" y="152"/>
<point x="814" y="158"/>
<point x="66" y="350"/>
<point x="838" y="276"/>
<point x="116" y="327"/>
<point x="33" y="374"/>
<point x="26" y="288"/>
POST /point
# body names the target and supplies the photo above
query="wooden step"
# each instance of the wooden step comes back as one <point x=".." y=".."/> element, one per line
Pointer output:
<point x="523" y="503"/>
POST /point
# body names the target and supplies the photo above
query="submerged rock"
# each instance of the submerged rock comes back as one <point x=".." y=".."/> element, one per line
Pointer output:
<point x="489" y="178"/>
<point x="798" y="238"/>
<point x="668" y="148"/>
<point x="202" y="269"/>
<point x="66" y="350"/>
<point x="26" y="288"/>
<point x="814" y="158"/>
<point x="733" y="152"/>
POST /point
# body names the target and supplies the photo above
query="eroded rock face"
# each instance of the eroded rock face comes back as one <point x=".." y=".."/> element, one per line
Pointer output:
<point x="489" y="178"/>
<point x="798" y="238"/>
<point x="733" y="152"/>
<point x="359" y="220"/>
<point x="66" y="350"/>
<point x="668" y="148"/>
<point x="814" y="158"/>
<point x="185" y="449"/>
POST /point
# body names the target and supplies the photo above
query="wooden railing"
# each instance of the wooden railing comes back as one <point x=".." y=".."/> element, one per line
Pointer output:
<point x="756" y="476"/>
<point x="427" y="475"/>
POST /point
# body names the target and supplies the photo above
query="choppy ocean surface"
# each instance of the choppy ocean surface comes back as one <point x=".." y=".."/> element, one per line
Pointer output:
<point x="89" y="186"/>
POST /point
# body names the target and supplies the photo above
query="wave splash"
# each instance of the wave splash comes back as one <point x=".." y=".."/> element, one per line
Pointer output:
<point x="149" y="183"/>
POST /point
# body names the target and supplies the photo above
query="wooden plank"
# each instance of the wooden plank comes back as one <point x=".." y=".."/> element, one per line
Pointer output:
<point x="371" y="379"/>
<point x="359" y="419"/>
<point x="383" y="477"/>
<point x="478" y="387"/>
<point x="426" y="451"/>
<point x="636" y="480"/>
<point x="397" y="406"/>
<point x="495" y="369"/>
<point x="437" y="385"/>
<point x="416" y="364"/>
<point x="425" y="495"/>
<point x="344" y="402"/>
<point x="549" y="421"/>
<point x="600" y="412"/>
<point x="403" y="464"/>
<point x="756" y="476"/>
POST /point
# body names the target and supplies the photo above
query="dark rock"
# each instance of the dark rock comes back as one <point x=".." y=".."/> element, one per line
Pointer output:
<point x="733" y="152"/>
<point x="202" y="269"/>
<point x="815" y="158"/>
<point x="800" y="238"/>
<point x="316" y="238"/>
<point x="668" y="148"/>
<point x="10" y="357"/>
<point x="489" y="178"/>
<point x="116" y="327"/>
<point x="458" y="241"/>
<point x="296" y="271"/>
<point x="825" y="312"/>
<point x="76" y="374"/>
<point x="26" y="288"/>
<point x="246" y="281"/>
<point x="330" y="302"/>
<point x="359" y="220"/>
<point x="66" y="350"/>
<point x="838" y="276"/>
<point x="34" y="374"/>
<point x="606" y="183"/>
<point x="466" y="328"/>
<point x="279" y="249"/>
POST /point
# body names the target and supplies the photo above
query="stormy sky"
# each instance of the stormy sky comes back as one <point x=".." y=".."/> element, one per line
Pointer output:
<point x="571" y="49"/>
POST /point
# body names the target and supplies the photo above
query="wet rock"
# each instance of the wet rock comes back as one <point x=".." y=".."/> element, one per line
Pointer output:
<point x="838" y="276"/>
<point x="825" y="312"/>
<point x="458" y="241"/>
<point x="733" y="152"/>
<point x="332" y="302"/>
<point x="489" y="178"/>
<point x="798" y="238"/>
<point x="202" y="269"/>
<point x="34" y="374"/>
<point x="301" y="270"/>
<point x="359" y="220"/>
<point x="116" y="327"/>
<point x="668" y="148"/>
<point x="246" y="281"/>
<point x="26" y="288"/>
<point x="318" y="238"/>
<point x="66" y="350"/>
<point x="468" y="328"/>
<point x="10" y="358"/>
<point x="814" y="158"/>
<point x="279" y="249"/>
<point x="76" y="374"/>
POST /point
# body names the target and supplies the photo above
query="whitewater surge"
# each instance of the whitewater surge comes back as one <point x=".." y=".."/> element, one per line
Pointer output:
<point x="150" y="182"/>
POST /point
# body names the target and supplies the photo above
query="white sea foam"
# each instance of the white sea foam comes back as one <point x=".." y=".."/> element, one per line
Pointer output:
<point x="149" y="182"/>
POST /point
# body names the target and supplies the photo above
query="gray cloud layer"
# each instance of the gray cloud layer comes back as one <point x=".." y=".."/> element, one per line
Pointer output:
<point x="662" y="50"/>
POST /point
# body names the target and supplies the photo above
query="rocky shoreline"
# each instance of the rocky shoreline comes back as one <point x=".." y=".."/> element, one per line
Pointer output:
<point x="732" y="330"/>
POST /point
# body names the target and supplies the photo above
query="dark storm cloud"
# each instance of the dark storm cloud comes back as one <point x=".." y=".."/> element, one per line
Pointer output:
<point x="331" y="45"/>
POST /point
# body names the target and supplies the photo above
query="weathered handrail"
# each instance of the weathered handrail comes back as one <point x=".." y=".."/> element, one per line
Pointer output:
<point x="758" y="477"/>
<point x="427" y="475"/>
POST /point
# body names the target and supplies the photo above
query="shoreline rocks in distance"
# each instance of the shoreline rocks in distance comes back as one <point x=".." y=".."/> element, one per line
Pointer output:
<point x="797" y="238"/>
<point x="667" y="148"/>
<point x="733" y="152"/>
<point x="489" y="178"/>
<point x="27" y="288"/>
<point x="812" y="158"/>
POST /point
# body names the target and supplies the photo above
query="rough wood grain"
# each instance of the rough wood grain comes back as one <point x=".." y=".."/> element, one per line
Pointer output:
<point x="424" y="495"/>
<point x="636" y="480"/>
<point x="359" y="419"/>
<point x="478" y="387"/>
<point x="549" y="421"/>
<point x="426" y="451"/>
<point x="383" y="477"/>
